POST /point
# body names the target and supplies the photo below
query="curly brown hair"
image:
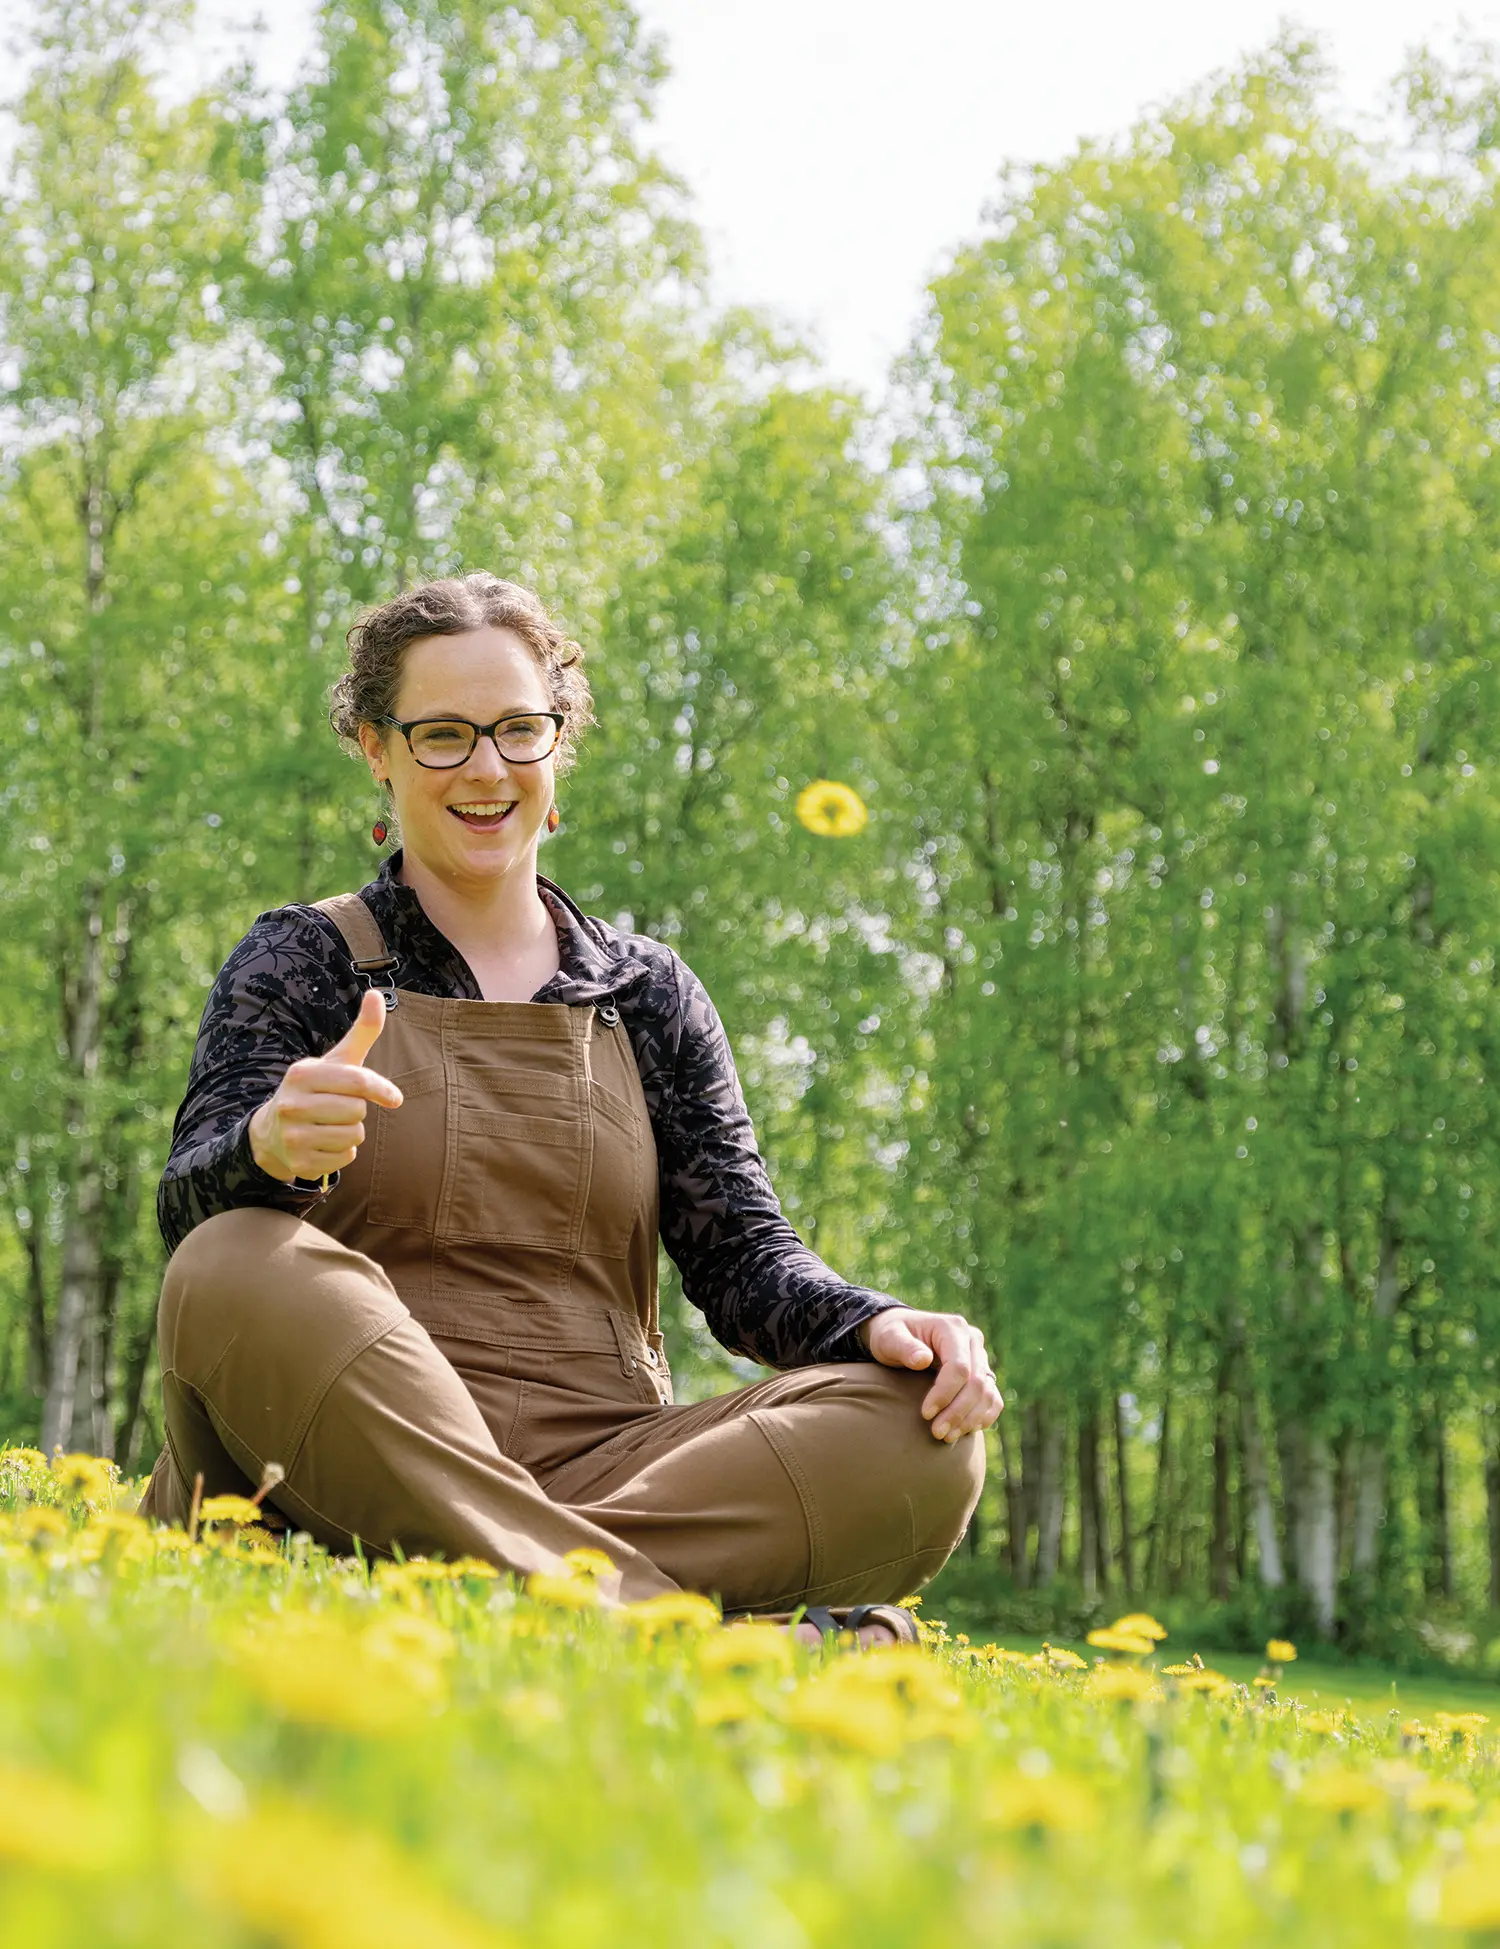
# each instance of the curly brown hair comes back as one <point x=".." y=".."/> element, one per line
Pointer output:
<point x="378" y="643"/>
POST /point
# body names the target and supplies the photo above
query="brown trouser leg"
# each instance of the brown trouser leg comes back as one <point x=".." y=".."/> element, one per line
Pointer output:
<point x="820" y="1486"/>
<point x="278" y="1344"/>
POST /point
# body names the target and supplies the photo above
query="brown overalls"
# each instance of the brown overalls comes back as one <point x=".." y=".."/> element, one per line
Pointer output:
<point x="462" y="1356"/>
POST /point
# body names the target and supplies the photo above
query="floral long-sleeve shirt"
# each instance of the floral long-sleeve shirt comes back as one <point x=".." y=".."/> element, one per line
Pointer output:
<point x="289" y="990"/>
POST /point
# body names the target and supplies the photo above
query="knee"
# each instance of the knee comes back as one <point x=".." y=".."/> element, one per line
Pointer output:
<point x="940" y="1480"/>
<point x="275" y="1288"/>
<point x="212" y="1260"/>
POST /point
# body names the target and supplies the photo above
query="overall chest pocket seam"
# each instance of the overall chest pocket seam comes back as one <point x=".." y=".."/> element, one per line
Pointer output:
<point x="395" y="1198"/>
<point x="517" y="1175"/>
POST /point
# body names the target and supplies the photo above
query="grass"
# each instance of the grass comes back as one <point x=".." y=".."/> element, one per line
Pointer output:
<point x="225" y="1744"/>
<point x="1366" y="1689"/>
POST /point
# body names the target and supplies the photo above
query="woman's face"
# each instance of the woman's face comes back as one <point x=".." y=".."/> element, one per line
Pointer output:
<point x="482" y="820"/>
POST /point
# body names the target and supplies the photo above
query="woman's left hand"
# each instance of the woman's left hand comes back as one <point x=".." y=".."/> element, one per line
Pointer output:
<point x="964" y="1396"/>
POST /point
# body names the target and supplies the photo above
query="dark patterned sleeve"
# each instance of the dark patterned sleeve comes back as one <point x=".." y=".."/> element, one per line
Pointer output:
<point x="285" y="992"/>
<point x="762" y="1291"/>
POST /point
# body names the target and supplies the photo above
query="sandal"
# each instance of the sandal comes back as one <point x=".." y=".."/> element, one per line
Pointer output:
<point x="832" y="1624"/>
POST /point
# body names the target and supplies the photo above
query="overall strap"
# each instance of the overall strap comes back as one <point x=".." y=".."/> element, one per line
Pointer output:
<point x="364" y="940"/>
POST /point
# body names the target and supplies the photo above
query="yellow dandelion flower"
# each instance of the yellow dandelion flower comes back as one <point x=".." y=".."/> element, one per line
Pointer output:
<point x="1211" y="1684"/>
<point x="1140" y="1625"/>
<point x="563" y="1593"/>
<point x="1344" y="1790"/>
<point x="119" y="1522"/>
<point x="1055" y="1803"/>
<point x="1281" y="1651"/>
<point x="1464" y="1725"/>
<point x="1121" y="1685"/>
<point x="904" y="1669"/>
<point x="724" y="1705"/>
<point x="472" y="1566"/>
<point x="1129" y="1644"/>
<point x="317" y="1672"/>
<point x="674" y="1610"/>
<point x="88" y="1478"/>
<point x="869" y="1722"/>
<point x="54" y="1825"/>
<point x="412" y="1577"/>
<point x="330" y="1884"/>
<point x="1441" y="1797"/>
<point x="398" y="1635"/>
<point x="114" y="1533"/>
<point x="258" y="1546"/>
<point x="1060" y="1659"/>
<point x="42" y="1524"/>
<point x="228" y="1509"/>
<point x="1263" y="1684"/>
<point x="172" y="1542"/>
<point x="1322" y="1722"/>
<point x="1470" y="1897"/>
<point x="746" y="1647"/>
<point x="22" y="1459"/>
<point x="831" y="810"/>
<point x="593" y="1564"/>
<point x="891" y="1695"/>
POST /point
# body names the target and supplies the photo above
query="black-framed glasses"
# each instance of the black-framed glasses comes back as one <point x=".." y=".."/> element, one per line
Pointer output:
<point x="440" y="743"/>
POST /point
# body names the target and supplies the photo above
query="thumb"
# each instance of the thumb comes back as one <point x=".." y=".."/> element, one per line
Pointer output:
<point x="904" y="1349"/>
<point x="363" y="1033"/>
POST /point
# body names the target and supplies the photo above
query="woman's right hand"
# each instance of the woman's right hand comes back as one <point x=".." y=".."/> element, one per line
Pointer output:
<point x="315" y="1123"/>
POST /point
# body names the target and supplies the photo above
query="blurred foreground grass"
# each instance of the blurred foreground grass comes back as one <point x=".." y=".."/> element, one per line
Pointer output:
<point x="227" y="1742"/>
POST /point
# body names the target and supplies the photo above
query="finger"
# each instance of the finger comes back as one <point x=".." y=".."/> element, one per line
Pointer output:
<point x="363" y="1033"/>
<point x="976" y="1407"/>
<point x="951" y="1345"/>
<point x="979" y="1404"/>
<point x="322" y="1106"/>
<point x="323" y="1163"/>
<point x="324" y="1136"/>
<point x="900" y="1347"/>
<point x="343" y="1080"/>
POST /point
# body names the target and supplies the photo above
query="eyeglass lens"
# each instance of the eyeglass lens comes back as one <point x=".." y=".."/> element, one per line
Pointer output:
<point x="440" y="743"/>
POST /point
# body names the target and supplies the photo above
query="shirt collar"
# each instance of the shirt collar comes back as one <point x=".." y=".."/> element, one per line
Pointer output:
<point x="592" y="967"/>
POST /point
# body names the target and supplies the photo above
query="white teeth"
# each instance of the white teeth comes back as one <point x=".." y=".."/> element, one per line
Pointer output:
<point x="486" y="811"/>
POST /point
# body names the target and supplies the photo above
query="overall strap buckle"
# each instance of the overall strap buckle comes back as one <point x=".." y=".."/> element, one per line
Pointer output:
<point x="387" y="966"/>
<point x="368" y="953"/>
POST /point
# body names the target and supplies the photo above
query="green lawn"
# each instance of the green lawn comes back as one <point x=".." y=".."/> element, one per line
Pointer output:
<point x="1367" y="1689"/>
<point x="232" y="1743"/>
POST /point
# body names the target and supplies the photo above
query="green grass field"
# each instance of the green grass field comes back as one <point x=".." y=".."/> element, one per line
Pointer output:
<point x="221" y="1741"/>
<point x="1368" y="1690"/>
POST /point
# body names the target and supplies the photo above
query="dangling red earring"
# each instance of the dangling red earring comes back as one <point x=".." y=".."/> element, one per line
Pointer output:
<point x="380" y="832"/>
<point x="554" y="818"/>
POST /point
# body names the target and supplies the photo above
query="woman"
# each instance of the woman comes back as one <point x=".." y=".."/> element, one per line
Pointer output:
<point x="430" y="1135"/>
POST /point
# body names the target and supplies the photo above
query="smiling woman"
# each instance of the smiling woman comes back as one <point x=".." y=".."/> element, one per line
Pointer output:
<point x="416" y="1228"/>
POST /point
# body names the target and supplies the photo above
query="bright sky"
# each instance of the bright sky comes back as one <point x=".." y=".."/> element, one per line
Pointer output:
<point x="837" y="149"/>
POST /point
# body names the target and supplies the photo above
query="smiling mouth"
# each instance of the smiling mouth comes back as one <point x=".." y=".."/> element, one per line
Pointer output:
<point x="483" y="815"/>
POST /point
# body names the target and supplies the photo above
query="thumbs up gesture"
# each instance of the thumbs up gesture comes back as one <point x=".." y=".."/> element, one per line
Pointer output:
<point x="315" y="1123"/>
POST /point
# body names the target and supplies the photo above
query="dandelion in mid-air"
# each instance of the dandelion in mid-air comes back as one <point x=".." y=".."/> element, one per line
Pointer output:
<point x="831" y="810"/>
